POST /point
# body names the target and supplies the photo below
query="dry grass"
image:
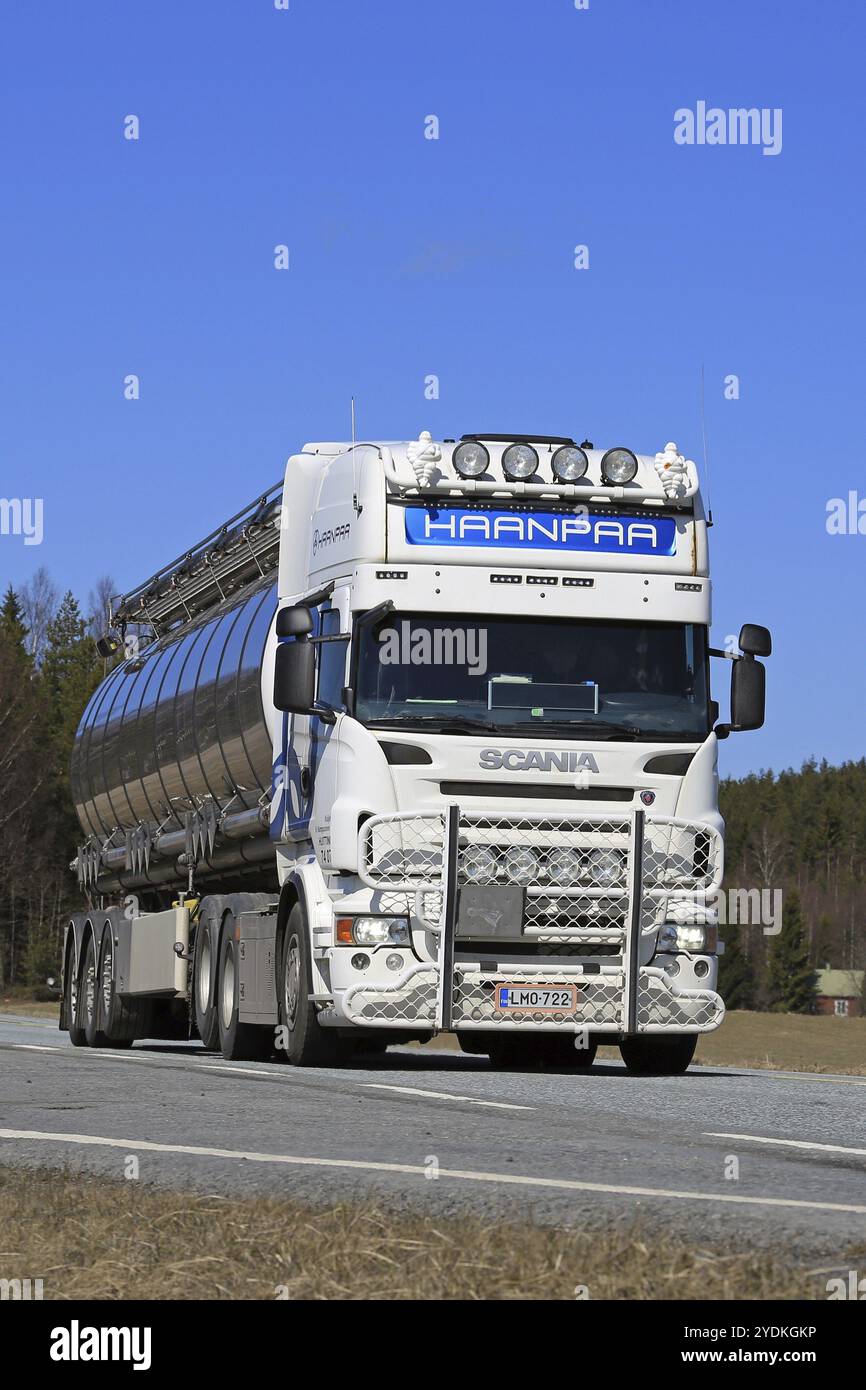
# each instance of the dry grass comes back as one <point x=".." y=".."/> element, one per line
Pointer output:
<point x="31" y="1008"/>
<point x="90" y="1238"/>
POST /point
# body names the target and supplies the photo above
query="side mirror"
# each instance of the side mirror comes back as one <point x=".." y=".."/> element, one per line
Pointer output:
<point x="294" y="675"/>
<point x="296" y="622"/>
<point x="748" y="693"/>
<point x="755" y="640"/>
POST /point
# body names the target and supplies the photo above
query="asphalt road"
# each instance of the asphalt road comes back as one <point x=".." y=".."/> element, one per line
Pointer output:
<point x="441" y="1132"/>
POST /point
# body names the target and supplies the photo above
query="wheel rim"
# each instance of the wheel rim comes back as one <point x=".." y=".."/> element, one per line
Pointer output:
<point x="106" y="980"/>
<point x="292" y="983"/>
<point x="228" y="988"/>
<point x="203" y="981"/>
<point x="89" y="985"/>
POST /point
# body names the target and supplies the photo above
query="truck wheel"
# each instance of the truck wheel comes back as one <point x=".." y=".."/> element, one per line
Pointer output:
<point x="240" y="1042"/>
<point x="662" y="1054"/>
<point x="308" y="1044"/>
<point x="204" y="983"/>
<point x="122" y="1020"/>
<point x="70" y="986"/>
<point x="88" y="996"/>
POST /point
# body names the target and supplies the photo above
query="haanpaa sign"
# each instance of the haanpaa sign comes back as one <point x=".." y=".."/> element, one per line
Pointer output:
<point x="508" y="530"/>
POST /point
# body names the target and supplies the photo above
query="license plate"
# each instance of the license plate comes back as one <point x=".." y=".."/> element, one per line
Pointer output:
<point x="533" y="999"/>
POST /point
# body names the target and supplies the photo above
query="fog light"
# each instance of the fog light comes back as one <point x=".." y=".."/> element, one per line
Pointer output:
<point x="521" y="865"/>
<point x="394" y="962"/>
<point x="360" y="961"/>
<point x="702" y="968"/>
<point x="671" y="967"/>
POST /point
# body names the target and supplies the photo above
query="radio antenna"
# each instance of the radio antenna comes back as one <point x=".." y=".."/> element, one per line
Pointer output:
<point x="706" y="451"/>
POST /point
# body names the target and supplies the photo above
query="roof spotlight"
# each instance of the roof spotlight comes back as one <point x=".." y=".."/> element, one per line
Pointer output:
<point x="569" y="463"/>
<point x="470" y="459"/>
<point x="519" y="461"/>
<point x="618" y="466"/>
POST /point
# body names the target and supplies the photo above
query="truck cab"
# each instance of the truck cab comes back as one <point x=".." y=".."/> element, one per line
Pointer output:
<point x="494" y="799"/>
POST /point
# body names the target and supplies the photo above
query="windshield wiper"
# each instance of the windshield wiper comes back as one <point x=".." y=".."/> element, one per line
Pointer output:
<point x="600" y="727"/>
<point x="442" y="721"/>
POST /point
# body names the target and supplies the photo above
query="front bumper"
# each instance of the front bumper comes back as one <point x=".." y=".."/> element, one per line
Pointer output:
<point x="599" y="939"/>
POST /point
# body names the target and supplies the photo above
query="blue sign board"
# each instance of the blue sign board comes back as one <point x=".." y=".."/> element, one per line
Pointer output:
<point x="489" y="528"/>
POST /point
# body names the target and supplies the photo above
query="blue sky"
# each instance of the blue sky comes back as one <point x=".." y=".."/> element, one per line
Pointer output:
<point x="453" y="257"/>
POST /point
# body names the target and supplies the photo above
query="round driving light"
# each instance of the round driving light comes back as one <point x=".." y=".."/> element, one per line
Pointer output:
<point x="519" y="461"/>
<point x="605" y="867"/>
<point x="569" y="463"/>
<point x="702" y="968"/>
<point x="618" y="466"/>
<point x="672" y="967"/>
<point x="563" y="866"/>
<point x="479" y="864"/>
<point x="521" y="865"/>
<point x="394" y="961"/>
<point x="360" y="961"/>
<point x="471" y="459"/>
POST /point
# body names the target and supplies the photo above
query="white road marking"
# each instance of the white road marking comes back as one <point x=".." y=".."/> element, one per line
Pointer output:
<point x="415" y="1170"/>
<point x="809" y="1076"/>
<point x="789" y="1143"/>
<point x="442" y="1095"/>
<point x="240" y="1071"/>
<point x="33" y="1047"/>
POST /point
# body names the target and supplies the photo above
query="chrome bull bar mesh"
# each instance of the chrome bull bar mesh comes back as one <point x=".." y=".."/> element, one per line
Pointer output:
<point x="591" y="884"/>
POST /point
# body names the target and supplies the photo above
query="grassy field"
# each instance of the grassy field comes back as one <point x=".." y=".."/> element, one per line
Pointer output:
<point x="90" y="1238"/>
<point x="781" y="1042"/>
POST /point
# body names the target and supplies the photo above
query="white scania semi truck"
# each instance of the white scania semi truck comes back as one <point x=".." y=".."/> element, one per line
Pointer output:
<point x="420" y="741"/>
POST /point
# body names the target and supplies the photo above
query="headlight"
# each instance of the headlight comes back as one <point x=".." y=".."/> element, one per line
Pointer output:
<point x="569" y="463"/>
<point x="521" y="865"/>
<point x="563" y="866"/>
<point x="471" y="459"/>
<point x="519" y="461"/>
<point x="618" y="466"/>
<point x="605" y="867"/>
<point x="374" y="931"/>
<point x="691" y="937"/>
<point x="479" y="864"/>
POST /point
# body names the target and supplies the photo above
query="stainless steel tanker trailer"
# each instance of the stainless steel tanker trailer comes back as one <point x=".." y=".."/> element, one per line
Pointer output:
<point x="420" y="740"/>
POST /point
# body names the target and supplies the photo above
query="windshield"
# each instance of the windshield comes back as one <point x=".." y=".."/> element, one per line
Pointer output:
<point x="593" y="678"/>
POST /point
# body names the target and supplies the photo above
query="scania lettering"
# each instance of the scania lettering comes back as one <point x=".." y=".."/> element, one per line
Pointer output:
<point x="420" y="741"/>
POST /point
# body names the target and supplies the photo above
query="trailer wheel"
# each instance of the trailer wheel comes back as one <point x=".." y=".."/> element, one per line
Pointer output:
<point x="70" y="986"/>
<point x="240" y="1042"/>
<point x="88" y="996"/>
<point x="308" y="1044"/>
<point x="205" y="956"/>
<point x="122" y="1020"/>
<point x="660" y="1054"/>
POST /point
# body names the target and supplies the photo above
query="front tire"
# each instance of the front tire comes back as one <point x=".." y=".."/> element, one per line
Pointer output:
<point x="661" y="1054"/>
<point x="308" y="1044"/>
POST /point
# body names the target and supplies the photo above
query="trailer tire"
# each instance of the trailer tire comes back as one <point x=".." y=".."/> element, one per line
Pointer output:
<point x="122" y="1020"/>
<point x="71" y="990"/>
<point x="307" y="1043"/>
<point x="88" y="994"/>
<point x="659" y="1054"/>
<point x="239" y="1042"/>
<point x="205" y="959"/>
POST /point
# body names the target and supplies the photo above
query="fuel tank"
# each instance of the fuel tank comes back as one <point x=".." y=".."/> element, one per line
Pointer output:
<point x="181" y="722"/>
